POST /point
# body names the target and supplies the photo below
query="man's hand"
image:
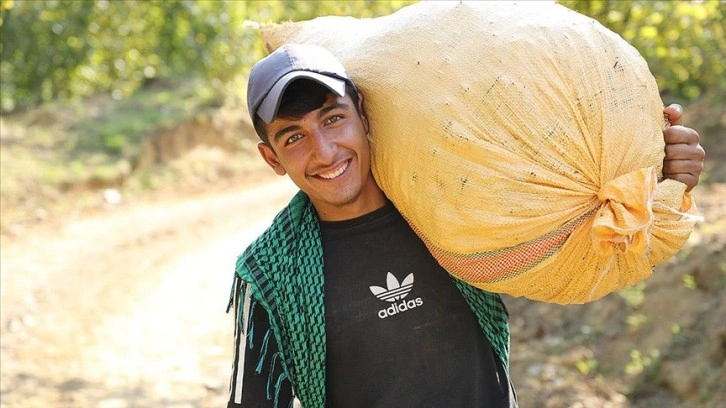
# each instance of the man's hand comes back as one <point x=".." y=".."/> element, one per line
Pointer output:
<point x="683" y="153"/>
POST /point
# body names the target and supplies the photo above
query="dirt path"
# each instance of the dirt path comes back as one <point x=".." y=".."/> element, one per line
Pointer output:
<point x="126" y="308"/>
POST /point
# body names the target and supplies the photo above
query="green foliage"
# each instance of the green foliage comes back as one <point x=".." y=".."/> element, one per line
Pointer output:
<point x="634" y="295"/>
<point x="587" y="366"/>
<point x="684" y="42"/>
<point x="689" y="281"/>
<point x="60" y="49"/>
<point x="117" y="129"/>
<point x="639" y="361"/>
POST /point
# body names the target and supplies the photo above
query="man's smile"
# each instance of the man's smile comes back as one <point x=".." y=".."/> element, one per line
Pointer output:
<point x="329" y="175"/>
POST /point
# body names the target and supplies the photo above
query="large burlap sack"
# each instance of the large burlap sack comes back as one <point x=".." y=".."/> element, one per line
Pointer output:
<point x="522" y="141"/>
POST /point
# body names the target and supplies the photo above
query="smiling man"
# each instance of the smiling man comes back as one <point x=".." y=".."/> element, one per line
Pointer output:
<point x="325" y="151"/>
<point x="339" y="303"/>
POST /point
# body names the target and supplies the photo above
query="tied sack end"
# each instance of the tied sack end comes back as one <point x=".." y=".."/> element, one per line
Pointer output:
<point x="623" y="222"/>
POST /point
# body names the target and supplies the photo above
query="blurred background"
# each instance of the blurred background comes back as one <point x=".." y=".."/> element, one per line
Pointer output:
<point x="130" y="181"/>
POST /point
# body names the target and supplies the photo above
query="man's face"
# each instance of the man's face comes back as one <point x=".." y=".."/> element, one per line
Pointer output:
<point x="326" y="154"/>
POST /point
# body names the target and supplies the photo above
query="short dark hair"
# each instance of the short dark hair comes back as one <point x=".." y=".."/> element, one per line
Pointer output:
<point x="301" y="97"/>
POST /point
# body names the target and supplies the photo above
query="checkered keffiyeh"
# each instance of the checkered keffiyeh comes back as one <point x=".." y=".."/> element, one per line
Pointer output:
<point x="284" y="268"/>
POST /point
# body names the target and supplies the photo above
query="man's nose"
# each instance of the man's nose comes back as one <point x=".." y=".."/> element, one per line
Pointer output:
<point x="324" y="146"/>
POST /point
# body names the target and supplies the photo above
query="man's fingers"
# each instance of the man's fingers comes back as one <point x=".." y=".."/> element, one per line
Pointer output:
<point x="672" y="167"/>
<point x="681" y="134"/>
<point x="674" y="114"/>
<point x="682" y="151"/>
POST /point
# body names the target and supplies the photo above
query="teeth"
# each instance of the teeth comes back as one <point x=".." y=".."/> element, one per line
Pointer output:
<point x="335" y="173"/>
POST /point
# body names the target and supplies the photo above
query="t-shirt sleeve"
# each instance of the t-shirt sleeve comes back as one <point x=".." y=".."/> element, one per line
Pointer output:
<point x="257" y="372"/>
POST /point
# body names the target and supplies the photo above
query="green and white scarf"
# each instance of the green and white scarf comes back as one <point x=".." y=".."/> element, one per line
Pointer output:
<point x="284" y="270"/>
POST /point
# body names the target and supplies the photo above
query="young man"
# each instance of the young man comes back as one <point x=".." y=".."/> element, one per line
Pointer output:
<point x="339" y="303"/>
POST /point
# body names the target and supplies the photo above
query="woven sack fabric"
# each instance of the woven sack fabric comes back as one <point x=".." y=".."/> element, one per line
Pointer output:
<point x="522" y="141"/>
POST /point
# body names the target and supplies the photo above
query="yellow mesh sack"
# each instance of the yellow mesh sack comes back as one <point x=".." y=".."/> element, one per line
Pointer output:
<point x="523" y="142"/>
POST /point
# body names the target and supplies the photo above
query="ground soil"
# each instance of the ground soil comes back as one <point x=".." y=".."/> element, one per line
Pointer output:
<point x="124" y="307"/>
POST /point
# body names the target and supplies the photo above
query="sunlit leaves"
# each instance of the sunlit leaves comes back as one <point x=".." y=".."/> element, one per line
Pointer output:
<point x="65" y="48"/>
<point x="683" y="41"/>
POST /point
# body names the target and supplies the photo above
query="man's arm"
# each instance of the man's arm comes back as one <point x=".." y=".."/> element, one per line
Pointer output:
<point x="683" y="153"/>
<point x="256" y="369"/>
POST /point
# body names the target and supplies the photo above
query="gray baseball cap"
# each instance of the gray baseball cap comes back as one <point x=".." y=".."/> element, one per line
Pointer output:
<point x="271" y="75"/>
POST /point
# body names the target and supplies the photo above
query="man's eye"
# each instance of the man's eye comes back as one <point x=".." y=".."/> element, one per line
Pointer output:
<point x="333" y="119"/>
<point x="294" y="138"/>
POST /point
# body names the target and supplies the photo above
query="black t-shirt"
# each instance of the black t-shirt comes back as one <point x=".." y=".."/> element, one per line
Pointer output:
<point x="399" y="333"/>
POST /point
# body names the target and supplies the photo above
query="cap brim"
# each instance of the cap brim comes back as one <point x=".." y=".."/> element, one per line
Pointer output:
<point x="269" y="106"/>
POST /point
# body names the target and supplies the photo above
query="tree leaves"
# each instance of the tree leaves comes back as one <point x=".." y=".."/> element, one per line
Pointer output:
<point x="683" y="41"/>
<point x="65" y="48"/>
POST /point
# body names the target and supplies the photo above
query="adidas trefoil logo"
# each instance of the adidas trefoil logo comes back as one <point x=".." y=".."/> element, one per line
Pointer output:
<point x="396" y="291"/>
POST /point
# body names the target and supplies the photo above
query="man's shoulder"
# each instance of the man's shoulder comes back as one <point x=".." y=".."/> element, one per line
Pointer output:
<point x="289" y="217"/>
<point x="293" y="229"/>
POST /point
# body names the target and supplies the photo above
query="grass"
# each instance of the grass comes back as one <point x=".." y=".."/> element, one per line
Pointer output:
<point x="88" y="144"/>
<point x="117" y="130"/>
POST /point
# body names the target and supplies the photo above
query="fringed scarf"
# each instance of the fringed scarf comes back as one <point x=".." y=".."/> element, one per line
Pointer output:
<point x="284" y="268"/>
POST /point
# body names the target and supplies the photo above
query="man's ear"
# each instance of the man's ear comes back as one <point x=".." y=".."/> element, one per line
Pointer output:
<point x="270" y="157"/>
<point x="362" y="113"/>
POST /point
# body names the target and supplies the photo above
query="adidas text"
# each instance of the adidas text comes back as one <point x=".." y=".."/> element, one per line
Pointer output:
<point x="400" y="307"/>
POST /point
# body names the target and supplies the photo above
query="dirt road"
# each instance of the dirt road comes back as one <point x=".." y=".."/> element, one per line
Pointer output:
<point x="126" y="308"/>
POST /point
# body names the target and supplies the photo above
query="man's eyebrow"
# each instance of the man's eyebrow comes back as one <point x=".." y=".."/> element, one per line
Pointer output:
<point x="326" y="109"/>
<point x="284" y="130"/>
